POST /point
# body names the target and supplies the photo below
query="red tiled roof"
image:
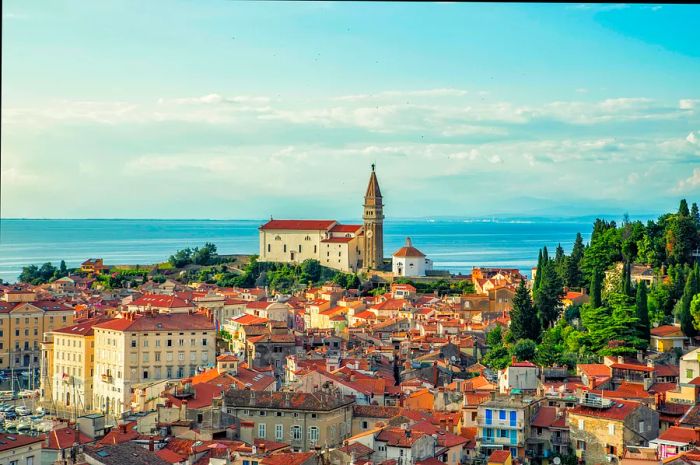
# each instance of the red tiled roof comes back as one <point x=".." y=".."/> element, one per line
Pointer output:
<point x="64" y="438"/>
<point x="666" y="330"/>
<point x="408" y="251"/>
<point x="287" y="458"/>
<point x="631" y="367"/>
<point x="159" y="322"/>
<point x="160" y="301"/>
<point x="594" y="369"/>
<point x="679" y="434"/>
<point x="614" y="413"/>
<point x="19" y="441"/>
<point x="83" y="328"/>
<point x="346" y="228"/>
<point x="305" y="225"/>
<point x="499" y="456"/>
<point x="170" y="456"/>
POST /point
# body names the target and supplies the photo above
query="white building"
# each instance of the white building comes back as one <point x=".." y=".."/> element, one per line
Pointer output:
<point x="409" y="261"/>
<point x="140" y="348"/>
<point x="519" y="375"/>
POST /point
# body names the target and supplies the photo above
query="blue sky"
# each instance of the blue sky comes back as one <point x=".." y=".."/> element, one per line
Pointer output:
<point x="219" y="109"/>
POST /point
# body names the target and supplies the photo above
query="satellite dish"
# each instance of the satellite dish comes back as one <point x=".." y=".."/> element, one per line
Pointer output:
<point x="557" y="460"/>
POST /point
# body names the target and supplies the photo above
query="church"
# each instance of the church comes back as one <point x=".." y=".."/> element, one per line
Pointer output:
<point x="345" y="247"/>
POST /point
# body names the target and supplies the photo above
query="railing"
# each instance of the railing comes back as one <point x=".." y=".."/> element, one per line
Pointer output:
<point x="481" y="421"/>
<point x="500" y="441"/>
<point x="559" y="441"/>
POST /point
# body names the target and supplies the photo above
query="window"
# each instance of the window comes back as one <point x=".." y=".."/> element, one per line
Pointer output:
<point x="296" y="433"/>
<point x="169" y="356"/>
<point x="193" y="342"/>
<point x="611" y="429"/>
<point x="689" y="373"/>
<point x="488" y="416"/>
<point x="580" y="424"/>
<point x="641" y="426"/>
<point x="157" y="342"/>
<point x="157" y="355"/>
<point x="261" y="430"/>
<point x="145" y="374"/>
<point x="133" y="343"/>
<point x="299" y="248"/>
<point x="145" y="342"/>
<point x="204" y="342"/>
<point x="285" y="247"/>
<point x="313" y="434"/>
<point x="170" y="342"/>
<point x="501" y="414"/>
<point x="581" y="445"/>
<point x="145" y="357"/>
<point x="262" y="413"/>
<point x="181" y="342"/>
<point x="181" y="356"/>
<point x="268" y="247"/>
<point x="279" y="432"/>
<point x="30" y="460"/>
<point x="502" y="433"/>
<point x="364" y="425"/>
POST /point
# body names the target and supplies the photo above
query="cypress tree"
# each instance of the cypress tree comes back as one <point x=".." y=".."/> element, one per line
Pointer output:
<point x="643" y="311"/>
<point x="524" y="323"/>
<point x="596" y="282"/>
<point x="626" y="279"/>
<point x="683" y="208"/>
<point x="548" y="297"/>
<point x="538" y="273"/>
<point x="573" y="266"/>
<point x="695" y="215"/>
<point x="692" y="287"/>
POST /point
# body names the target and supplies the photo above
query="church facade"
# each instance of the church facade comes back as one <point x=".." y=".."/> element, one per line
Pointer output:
<point x="344" y="247"/>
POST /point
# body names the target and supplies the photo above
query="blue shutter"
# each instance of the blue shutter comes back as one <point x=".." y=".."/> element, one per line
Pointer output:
<point x="489" y="415"/>
<point x="512" y="418"/>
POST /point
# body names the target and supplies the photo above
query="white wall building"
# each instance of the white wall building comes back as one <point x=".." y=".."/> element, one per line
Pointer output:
<point x="409" y="261"/>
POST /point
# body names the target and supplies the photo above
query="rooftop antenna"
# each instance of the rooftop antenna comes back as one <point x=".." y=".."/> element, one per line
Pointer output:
<point x="373" y="165"/>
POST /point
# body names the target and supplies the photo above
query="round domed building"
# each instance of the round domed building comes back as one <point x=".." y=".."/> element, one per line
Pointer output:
<point x="409" y="261"/>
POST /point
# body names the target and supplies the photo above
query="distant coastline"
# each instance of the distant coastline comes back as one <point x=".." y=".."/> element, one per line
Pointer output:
<point x="454" y="244"/>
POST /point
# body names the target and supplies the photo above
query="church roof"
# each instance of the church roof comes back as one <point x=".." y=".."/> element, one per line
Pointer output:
<point x="303" y="225"/>
<point x="408" y="250"/>
<point x="373" y="194"/>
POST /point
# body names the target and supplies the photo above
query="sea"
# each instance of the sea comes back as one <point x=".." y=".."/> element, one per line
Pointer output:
<point x="454" y="244"/>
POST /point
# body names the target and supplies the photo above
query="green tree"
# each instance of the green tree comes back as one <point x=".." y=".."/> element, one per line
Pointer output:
<point x="548" y="296"/>
<point x="695" y="310"/>
<point x="596" y="289"/>
<point x="524" y="323"/>
<point x="642" y="310"/>
<point x="538" y="272"/>
<point x="63" y="269"/>
<point x="524" y="349"/>
<point x="494" y="337"/>
<point x="692" y="287"/>
<point x="574" y="277"/>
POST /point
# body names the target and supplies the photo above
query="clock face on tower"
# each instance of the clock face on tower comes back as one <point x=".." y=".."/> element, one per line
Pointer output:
<point x="370" y="233"/>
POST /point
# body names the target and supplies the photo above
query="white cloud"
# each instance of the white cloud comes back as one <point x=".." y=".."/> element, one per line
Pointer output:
<point x="495" y="159"/>
<point x="693" y="137"/>
<point x="691" y="182"/>
<point x="688" y="104"/>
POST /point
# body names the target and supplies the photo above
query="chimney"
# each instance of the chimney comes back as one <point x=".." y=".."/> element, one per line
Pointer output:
<point x="261" y="448"/>
<point x="183" y="410"/>
<point x="620" y="359"/>
<point x="151" y="444"/>
<point x="513" y="360"/>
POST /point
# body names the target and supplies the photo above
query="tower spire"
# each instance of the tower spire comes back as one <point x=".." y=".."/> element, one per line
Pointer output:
<point x="373" y="217"/>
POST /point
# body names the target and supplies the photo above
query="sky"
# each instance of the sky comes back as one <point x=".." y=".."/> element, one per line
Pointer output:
<point x="222" y="109"/>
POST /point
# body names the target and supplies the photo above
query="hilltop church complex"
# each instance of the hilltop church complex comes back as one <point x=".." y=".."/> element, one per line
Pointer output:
<point x="344" y="247"/>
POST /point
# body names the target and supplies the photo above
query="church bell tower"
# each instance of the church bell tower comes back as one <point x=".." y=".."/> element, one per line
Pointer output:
<point x="373" y="217"/>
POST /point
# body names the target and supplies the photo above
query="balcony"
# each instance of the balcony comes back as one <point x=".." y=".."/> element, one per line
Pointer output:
<point x="560" y="441"/>
<point x="495" y="423"/>
<point x="490" y="440"/>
